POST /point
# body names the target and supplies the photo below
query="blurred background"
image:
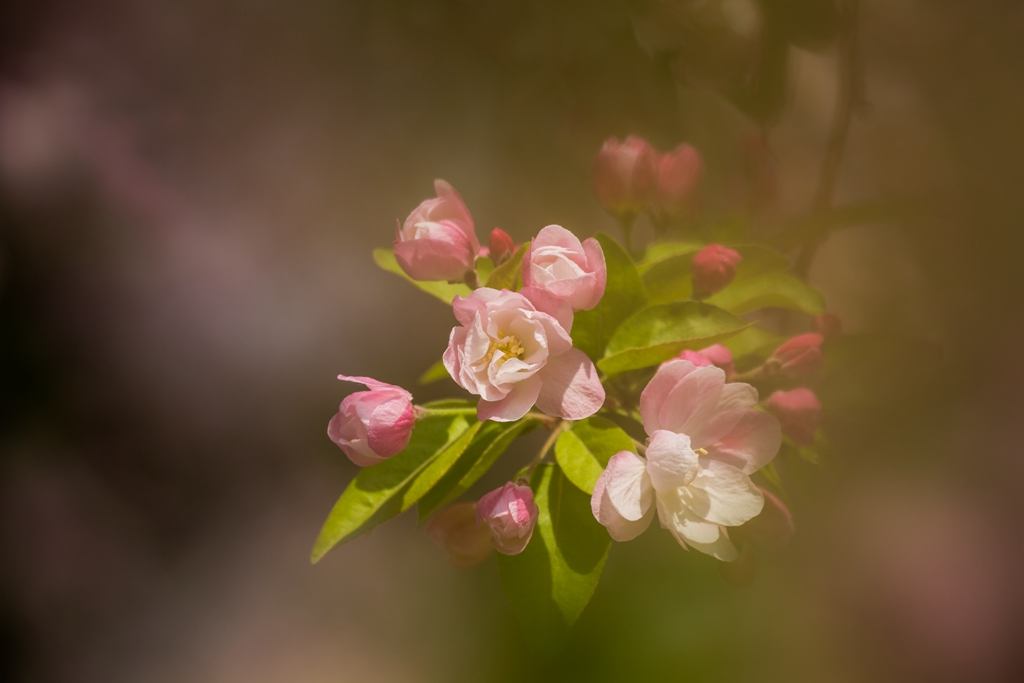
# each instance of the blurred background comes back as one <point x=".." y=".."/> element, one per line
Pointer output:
<point x="189" y="194"/>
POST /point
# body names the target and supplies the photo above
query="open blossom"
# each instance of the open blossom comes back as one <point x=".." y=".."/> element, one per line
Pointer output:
<point x="560" y="264"/>
<point x="799" y="413"/>
<point x="511" y="514"/>
<point x="373" y="425"/>
<point x="714" y="267"/>
<point x="800" y="355"/>
<point x="513" y="350"/>
<point x="438" y="240"/>
<point x="456" y="531"/>
<point x="624" y="175"/>
<point x="706" y="438"/>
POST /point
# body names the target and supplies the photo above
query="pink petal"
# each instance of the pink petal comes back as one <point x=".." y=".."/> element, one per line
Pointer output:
<point x="466" y="307"/>
<point x="571" y="389"/>
<point x="390" y="427"/>
<point x="556" y="236"/>
<point x="657" y="391"/>
<point x="751" y="444"/>
<point x="596" y="265"/>
<point x="428" y="259"/>
<point x="714" y="419"/>
<point x="372" y="383"/>
<point x="516" y="404"/>
<point x="546" y="302"/>
<point x="692" y="401"/>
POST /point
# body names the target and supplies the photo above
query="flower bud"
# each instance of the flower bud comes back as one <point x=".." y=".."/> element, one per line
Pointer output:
<point x="829" y="326"/>
<point x="624" y="175"/>
<point x="511" y="514"/>
<point x="679" y="174"/>
<point x="715" y="354"/>
<point x="373" y="425"/>
<point x="501" y="246"/>
<point x="714" y="267"/>
<point x="800" y="355"/>
<point x="799" y="413"/>
<point x="455" y="530"/>
<point x="566" y="268"/>
<point x="438" y="240"/>
<point x="772" y="529"/>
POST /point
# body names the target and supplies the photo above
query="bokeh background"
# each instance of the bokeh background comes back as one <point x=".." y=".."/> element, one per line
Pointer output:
<point x="189" y="193"/>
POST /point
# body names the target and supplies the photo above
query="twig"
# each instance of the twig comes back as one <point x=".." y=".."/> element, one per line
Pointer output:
<point x="562" y="426"/>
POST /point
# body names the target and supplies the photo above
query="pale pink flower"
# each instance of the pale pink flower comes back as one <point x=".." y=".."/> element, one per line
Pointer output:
<point x="679" y="174"/>
<point x="513" y="350"/>
<point x="501" y="246"/>
<point x="716" y="354"/>
<point x="799" y="413"/>
<point x="560" y="264"/>
<point x="456" y="531"/>
<point x="624" y="175"/>
<point x="438" y="240"/>
<point x="373" y="425"/>
<point x="800" y="355"/>
<point x="706" y="439"/>
<point x="510" y="513"/>
<point x="714" y="267"/>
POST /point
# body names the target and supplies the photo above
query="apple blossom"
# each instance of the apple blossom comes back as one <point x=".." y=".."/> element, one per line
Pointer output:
<point x="800" y="355"/>
<point x="510" y="513"/>
<point x="714" y="267"/>
<point x="799" y="413"/>
<point x="438" y="240"/>
<point x="624" y="175"/>
<point x="679" y="174"/>
<point x="706" y="438"/>
<point x="456" y="531"/>
<point x="501" y="246"/>
<point x="373" y="425"/>
<point x="560" y="264"/>
<point x="513" y="350"/>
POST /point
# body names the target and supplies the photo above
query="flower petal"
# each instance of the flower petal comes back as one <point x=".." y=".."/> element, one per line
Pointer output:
<point x="670" y="460"/>
<point x="676" y="516"/>
<point x="751" y="444"/>
<point x="723" y="495"/>
<point x="692" y="402"/>
<point x="546" y="302"/>
<point x="596" y="265"/>
<point x="714" y="419"/>
<point x="571" y="389"/>
<point x="657" y="391"/>
<point x="622" y="497"/>
<point x="516" y="404"/>
<point x="722" y="549"/>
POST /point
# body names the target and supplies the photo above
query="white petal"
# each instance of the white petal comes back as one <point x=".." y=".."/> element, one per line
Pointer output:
<point x="751" y="444"/>
<point x="671" y="462"/>
<point x="722" y="549"/>
<point x="628" y="485"/>
<point x="713" y="420"/>
<point x="677" y="517"/>
<point x="724" y="495"/>
<point x="619" y="528"/>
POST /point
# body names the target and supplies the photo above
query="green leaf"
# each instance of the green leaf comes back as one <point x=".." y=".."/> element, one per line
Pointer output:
<point x="376" y="493"/>
<point x="583" y="451"/>
<point x="509" y="274"/>
<point x="778" y="290"/>
<point x="484" y="268"/>
<point x="670" y="278"/>
<point x="385" y="258"/>
<point x="553" y="579"/>
<point x="754" y="341"/>
<point x="624" y="294"/>
<point x="435" y="373"/>
<point x="490" y="442"/>
<point x="658" y="333"/>
<point x="661" y="251"/>
<point x="439" y="465"/>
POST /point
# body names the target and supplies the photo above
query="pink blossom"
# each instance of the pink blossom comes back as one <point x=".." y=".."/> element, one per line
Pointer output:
<point x="714" y="267"/>
<point x="679" y="174"/>
<point x="800" y="355"/>
<point x="501" y="246"/>
<point x="456" y="531"/>
<point x="558" y="263"/>
<point x="799" y="413"/>
<point x="624" y="175"/>
<point x="510" y="513"/>
<point x="706" y="438"/>
<point x="513" y="350"/>
<point x="438" y="240"/>
<point x="373" y="425"/>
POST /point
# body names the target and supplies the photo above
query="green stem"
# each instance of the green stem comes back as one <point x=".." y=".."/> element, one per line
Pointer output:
<point x="555" y="433"/>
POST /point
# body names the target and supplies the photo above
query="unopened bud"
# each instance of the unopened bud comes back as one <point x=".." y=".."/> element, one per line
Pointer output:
<point x="501" y="246"/>
<point x="799" y="413"/>
<point x="715" y="354"/>
<point x="455" y="530"/>
<point x="679" y="174"/>
<point x="624" y="175"/>
<point x="829" y="326"/>
<point x="800" y="355"/>
<point x="714" y="267"/>
<point x="373" y="425"/>
<point x="510" y="513"/>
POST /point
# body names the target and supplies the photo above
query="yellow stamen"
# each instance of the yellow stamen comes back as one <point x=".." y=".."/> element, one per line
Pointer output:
<point x="700" y="452"/>
<point x="508" y="345"/>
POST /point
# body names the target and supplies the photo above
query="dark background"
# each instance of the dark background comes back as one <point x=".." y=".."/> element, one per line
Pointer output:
<point x="189" y="193"/>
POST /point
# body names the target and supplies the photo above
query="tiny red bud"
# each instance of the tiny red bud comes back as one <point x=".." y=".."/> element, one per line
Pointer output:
<point x="714" y="267"/>
<point x="799" y="413"/>
<point x="800" y="355"/>
<point x="624" y="175"/>
<point x="829" y="326"/>
<point x="501" y="246"/>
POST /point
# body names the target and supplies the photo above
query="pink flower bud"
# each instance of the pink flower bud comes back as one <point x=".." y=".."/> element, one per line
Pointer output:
<point x="695" y="357"/>
<point x="501" y="246"/>
<point x="773" y="528"/>
<point x="799" y="413"/>
<point x="373" y="425"/>
<point x="760" y="173"/>
<point x="721" y="357"/>
<point x="829" y="326"/>
<point x="558" y="263"/>
<point x="624" y="175"/>
<point x="455" y="530"/>
<point x="800" y="355"/>
<point x="511" y="514"/>
<point x="679" y="174"/>
<point x="713" y="267"/>
<point x="438" y="240"/>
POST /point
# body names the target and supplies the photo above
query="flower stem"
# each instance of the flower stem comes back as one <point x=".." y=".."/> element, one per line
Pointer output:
<point x="555" y="433"/>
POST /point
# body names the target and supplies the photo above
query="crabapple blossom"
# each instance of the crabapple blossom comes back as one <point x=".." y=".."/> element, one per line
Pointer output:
<point x="438" y="240"/>
<point x="800" y="355"/>
<point x="560" y="264"/>
<point x="706" y="438"/>
<point x="456" y="531"/>
<point x="679" y="173"/>
<point x="510" y="513"/>
<point x="624" y="175"/>
<point x="501" y="246"/>
<point x="373" y="425"/>
<point x="513" y="350"/>
<point x="799" y="413"/>
<point x="714" y="267"/>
